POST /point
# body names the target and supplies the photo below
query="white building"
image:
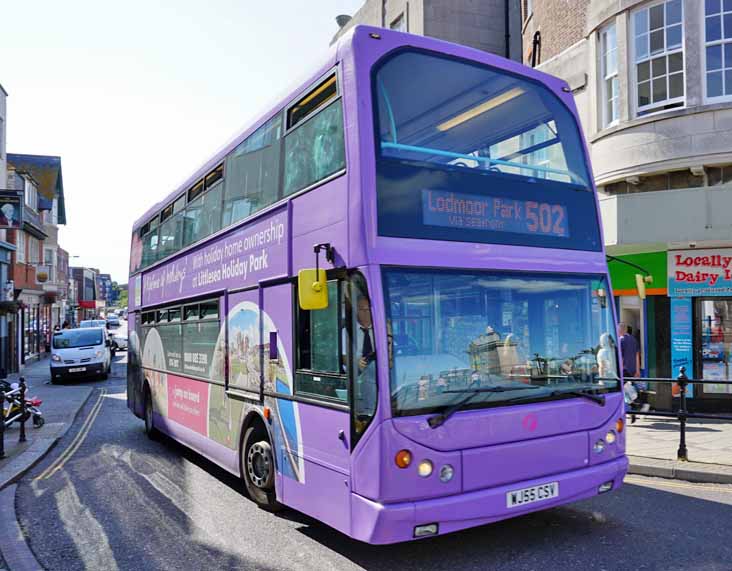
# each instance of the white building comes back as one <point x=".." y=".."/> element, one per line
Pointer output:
<point x="652" y="80"/>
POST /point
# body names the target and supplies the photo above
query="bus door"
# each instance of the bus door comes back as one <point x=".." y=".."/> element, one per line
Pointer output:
<point x="321" y="405"/>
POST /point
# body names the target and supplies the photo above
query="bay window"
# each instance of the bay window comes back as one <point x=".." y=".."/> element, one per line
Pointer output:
<point x="718" y="47"/>
<point x="609" y="68"/>
<point x="659" y="56"/>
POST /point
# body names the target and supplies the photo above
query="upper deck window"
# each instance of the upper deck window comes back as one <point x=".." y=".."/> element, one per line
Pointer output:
<point x="252" y="172"/>
<point x="472" y="153"/>
<point x="314" y="148"/>
<point x="318" y="97"/>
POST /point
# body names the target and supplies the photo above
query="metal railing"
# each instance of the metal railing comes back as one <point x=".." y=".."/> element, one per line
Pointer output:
<point x="14" y="397"/>
<point x="682" y="414"/>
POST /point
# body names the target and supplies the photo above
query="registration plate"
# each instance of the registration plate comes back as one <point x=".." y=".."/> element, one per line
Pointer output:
<point x="533" y="494"/>
<point x="77" y="370"/>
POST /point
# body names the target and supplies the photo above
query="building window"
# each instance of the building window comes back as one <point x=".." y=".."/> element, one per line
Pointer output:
<point x="31" y="194"/>
<point x="609" y="68"/>
<point x="718" y="44"/>
<point x="400" y="24"/>
<point x="659" y="57"/>
<point x="33" y="253"/>
<point x="20" y="246"/>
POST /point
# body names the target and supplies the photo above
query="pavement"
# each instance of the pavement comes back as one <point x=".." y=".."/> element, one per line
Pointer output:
<point x="61" y="403"/>
<point x="653" y="443"/>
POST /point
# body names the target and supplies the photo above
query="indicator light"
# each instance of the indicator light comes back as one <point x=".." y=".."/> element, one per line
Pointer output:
<point x="619" y="425"/>
<point x="403" y="458"/>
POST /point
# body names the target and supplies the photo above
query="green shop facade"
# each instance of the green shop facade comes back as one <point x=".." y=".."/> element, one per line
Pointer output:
<point x="685" y="320"/>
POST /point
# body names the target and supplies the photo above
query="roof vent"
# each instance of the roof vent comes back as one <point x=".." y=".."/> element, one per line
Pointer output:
<point x="342" y="20"/>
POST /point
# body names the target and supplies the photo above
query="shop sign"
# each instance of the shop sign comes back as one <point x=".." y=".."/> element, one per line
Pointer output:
<point x="11" y="208"/>
<point x="694" y="273"/>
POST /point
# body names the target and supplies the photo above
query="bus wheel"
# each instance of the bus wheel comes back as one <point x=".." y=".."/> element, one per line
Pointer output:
<point x="150" y="430"/>
<point x="258" y="468"/>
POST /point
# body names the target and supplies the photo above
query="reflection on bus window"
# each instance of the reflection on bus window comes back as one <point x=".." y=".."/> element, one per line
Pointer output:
<point x="457" y="330"/>
<point x="447" y="113"/>
<point x="203" y="215"/>
<point x="315" y="149"/>
<point x="320" y="354"/>
<point x="252" y="172"/>
<point x="363" y="354"/>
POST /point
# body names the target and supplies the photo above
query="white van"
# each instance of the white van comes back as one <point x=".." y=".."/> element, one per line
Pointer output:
<point x="80" y="353"/>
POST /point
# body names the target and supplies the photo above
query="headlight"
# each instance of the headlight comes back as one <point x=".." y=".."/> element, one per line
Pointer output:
<point x="56" y="357"/>
<point x="425" y="468"/>
<point x="610" y="437"/>
<point x="99" y="354"/>
<point x="599" y="446"/>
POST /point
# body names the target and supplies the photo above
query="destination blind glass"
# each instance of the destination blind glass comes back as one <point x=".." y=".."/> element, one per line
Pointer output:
<point x="469" y="153"/>
<point x="469" y="211"/>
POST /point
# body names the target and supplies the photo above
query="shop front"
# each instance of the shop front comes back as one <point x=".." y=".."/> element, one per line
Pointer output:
<point x="649" y="318"/>
<point x="700" y="288"/>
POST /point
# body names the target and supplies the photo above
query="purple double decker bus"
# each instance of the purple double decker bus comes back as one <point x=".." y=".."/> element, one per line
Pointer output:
<point x="386" y="304"/>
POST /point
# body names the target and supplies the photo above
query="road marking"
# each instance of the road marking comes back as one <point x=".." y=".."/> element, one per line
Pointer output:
<point x="688" y="485"/>
<point x="59" y="463"/>
<point x="83" y="528"/>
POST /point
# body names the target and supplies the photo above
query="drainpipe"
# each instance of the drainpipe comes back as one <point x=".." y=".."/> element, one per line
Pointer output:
<point x="507" y="30"/>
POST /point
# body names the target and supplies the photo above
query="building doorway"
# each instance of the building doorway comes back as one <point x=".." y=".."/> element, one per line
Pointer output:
<point x="713" y="345"/>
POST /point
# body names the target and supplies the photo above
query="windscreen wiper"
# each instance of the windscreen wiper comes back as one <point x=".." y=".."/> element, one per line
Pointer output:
<point x="599" y="399"/>
<point x="440" y="419"/>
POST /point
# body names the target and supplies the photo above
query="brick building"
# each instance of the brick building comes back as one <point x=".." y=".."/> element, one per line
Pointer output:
<point x="35" y="272"/>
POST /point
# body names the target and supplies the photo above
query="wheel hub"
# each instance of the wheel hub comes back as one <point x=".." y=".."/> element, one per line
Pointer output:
<point x="259" y="465"/>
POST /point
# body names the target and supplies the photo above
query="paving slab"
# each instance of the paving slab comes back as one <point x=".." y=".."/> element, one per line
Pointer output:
<point x="61" y="404"/>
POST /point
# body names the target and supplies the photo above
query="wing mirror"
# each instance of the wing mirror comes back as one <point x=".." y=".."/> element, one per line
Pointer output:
<point x="312" y="289"/>
<point x="312" y="285"/>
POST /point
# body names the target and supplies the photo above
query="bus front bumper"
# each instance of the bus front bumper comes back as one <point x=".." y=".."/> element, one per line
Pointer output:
<point x="377" y="523"/>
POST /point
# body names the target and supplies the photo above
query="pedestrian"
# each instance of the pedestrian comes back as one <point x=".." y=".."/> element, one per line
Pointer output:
<point x="66" y="325"/>
<point x="630" y="362"/>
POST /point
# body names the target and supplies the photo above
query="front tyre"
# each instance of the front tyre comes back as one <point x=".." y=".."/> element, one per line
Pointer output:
<point x="258" y="468"/>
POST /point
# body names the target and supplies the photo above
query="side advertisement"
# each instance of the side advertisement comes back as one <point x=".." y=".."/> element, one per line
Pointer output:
<point x="238" y="259"/>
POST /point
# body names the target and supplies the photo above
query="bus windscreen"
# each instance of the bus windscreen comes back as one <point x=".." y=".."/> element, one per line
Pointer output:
<point x="466" y="152"/>
<point x="452" y="331"/>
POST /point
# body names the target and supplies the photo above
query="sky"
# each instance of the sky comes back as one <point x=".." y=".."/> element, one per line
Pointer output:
<point x="135" y="95"/>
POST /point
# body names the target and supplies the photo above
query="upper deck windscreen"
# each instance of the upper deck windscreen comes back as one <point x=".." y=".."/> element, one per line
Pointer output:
<point x="467" y="152"/>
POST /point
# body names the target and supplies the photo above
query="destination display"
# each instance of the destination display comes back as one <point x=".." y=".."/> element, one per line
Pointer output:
<point x="493" y="213"/>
